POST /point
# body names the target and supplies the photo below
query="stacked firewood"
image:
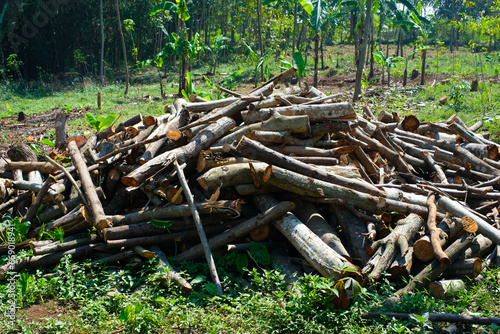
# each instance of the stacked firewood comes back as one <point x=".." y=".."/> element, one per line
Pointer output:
<point x="346" y="194"/>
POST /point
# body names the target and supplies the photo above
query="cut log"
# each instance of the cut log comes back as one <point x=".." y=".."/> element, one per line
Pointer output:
<point x="432" y="271"/>
<point x="324" y="259"/>
<point x="61" y="135"/>
<point x="446" y="288"/>
<point x="183" y="154"/>
<point x="295" y="124"/>
<point x="460" y="211"/>
<point x="233" y="234"/>
<point x="353" y="233"/>
<point x="230" y="110"/>
<point x="254" y="150"/>
<point x="470" y="268"/>
<point x="178" y="211"/>
<point x="317" y="113"/>
<point x="401" y="235"/>
<point x="310" y="216"/>
<point x="96" y="215"/>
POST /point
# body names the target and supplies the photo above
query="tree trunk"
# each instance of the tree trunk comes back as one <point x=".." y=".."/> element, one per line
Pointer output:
<point x="101" y="62"/>
<point x="259" y="32"/>
<point x="254" y="150"/>
<point x="422" y="75"/>
<point x="123" y="46"/>
<point x="401" y="235"/>
<point x="316" y="56"/>
<point x="362" y="52"/>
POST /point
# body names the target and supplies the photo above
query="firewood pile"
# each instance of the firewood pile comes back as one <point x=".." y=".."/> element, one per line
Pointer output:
<point x="341" y="192"/>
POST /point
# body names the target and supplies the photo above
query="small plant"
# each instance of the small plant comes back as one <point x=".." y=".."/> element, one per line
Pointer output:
<point x="456" y="93"/>
<point x="101" y="122"/>
<point x="299" y="62"/>
<point x="258" y="62"/>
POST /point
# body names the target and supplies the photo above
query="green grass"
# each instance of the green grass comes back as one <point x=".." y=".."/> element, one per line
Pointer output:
<point x="102" y="299"/>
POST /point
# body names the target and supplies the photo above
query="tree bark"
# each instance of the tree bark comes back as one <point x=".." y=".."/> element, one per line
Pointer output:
<point x="310" y="216"/>
<point x="235" y="233"/>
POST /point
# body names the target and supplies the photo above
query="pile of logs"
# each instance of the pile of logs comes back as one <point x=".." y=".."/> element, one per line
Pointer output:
<point x="326" y="188"/>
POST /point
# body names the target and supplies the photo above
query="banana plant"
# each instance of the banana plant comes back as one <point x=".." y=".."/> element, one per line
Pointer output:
<point x="386" y="62"/>
<point x="217" y="46"/>
<point x="298" y="61"/>
<point x="257" y="61"/>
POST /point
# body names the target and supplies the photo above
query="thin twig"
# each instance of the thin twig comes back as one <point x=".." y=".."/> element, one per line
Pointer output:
<point x="199" y="226"/>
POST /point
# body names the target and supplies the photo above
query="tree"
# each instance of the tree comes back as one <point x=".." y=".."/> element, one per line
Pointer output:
<point x="362" y="52"/>
<point x="123" y="47"/>
<point x="101" y="62"/>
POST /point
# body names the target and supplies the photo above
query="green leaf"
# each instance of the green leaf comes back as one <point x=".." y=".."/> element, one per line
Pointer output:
<point x="92" y="120"/>
<point x="260" y="253"/>
<point x="211" y="288"/>
<point x="47" y="141"/>
<point x="198" y="279"/>
<point x="209" y="82"/>
<point x="162" y="223"/>
<point x="307" y="5"/>
<point x="104" y="122"/>
<point x="298" y="60"/>
<point x="182" y="10"/>
<point x="252" y="52"/>
<point x="241" y="262"/>
<point x="163" y="6"/>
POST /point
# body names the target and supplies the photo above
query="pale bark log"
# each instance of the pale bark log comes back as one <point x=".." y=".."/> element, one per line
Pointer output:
<point x="317" y="113"/>
<point x="164" y="268"/>
<point x="310" y="216"/>
<point x="230" y="110"/>
<point x="209" y="105"/>
<point x="56" y="247"/>
<point x="199" y="227"/>
<point x="353" y="233"/>
<point x="254" y="150"/>
<point x="460" y="211"/>
<point x="324" y="259"/>
<point x="177" y="211"/>
<point x="295" y="124"/>
<point x="28" y="166"/>
<point x="446" y="288"/>
<point x="470" y="268"/>
<point x="179" y="120"/>
<point x="436" y="317"/>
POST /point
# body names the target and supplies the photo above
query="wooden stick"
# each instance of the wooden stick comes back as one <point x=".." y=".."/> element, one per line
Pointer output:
<point x="439" y="254"/>
<point x="199" y="227"/>
<point x="98" y="218"/>
<point x="435" y="317"/>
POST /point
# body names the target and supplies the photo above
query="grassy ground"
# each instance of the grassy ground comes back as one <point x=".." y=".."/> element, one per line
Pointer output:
<point x="74" y="298"/>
